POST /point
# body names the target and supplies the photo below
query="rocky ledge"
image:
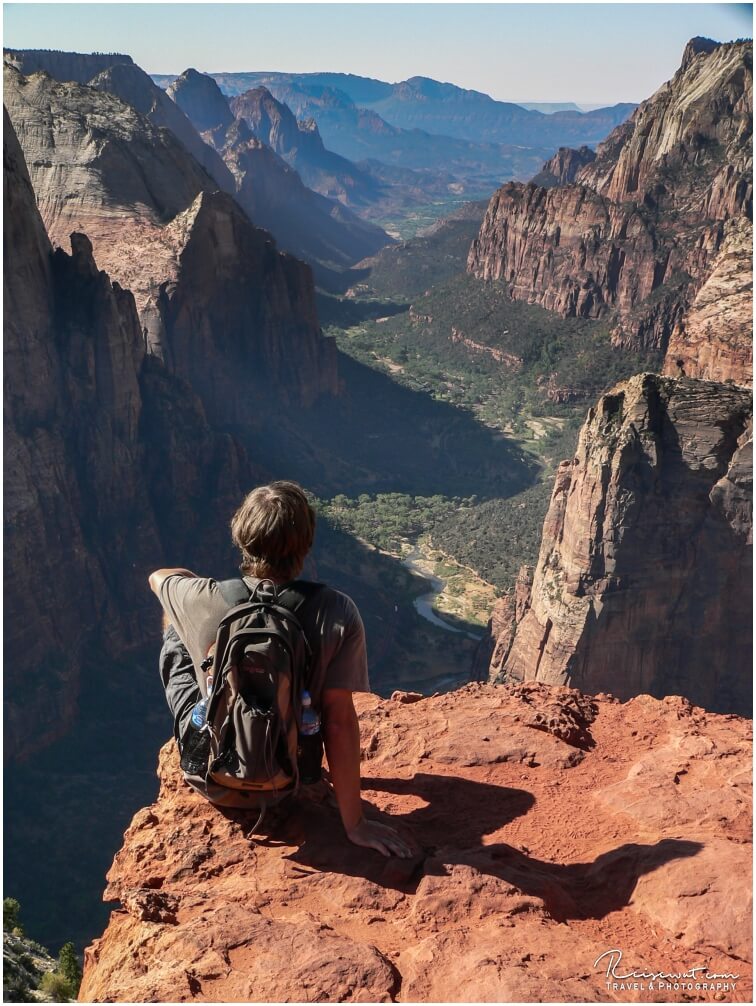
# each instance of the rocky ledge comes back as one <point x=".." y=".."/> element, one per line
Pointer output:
<point x="553" y="828"/>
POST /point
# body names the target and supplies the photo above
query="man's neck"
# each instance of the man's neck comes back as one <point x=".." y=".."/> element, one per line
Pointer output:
<point x="277" y="580"/>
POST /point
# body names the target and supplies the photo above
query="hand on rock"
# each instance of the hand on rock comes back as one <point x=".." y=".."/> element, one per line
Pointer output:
<point x="381" y="837"/>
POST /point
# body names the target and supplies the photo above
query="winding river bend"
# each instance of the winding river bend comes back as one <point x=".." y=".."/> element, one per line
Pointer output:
<point x="424" y="603"/>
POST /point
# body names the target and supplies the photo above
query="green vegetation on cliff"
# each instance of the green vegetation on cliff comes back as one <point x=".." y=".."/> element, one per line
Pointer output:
<point x="29" y="972"/>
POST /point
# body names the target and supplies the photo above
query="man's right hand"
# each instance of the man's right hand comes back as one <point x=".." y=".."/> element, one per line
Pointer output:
<point x="373" y="835"/>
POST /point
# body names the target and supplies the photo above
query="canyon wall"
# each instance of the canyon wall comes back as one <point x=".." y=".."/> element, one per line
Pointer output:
<point x="300" y="144"/>
<point x="97" y="435"/>
<point x="645" y="225"/>
<point x="644" y="577"/>
<point x="319" y="230"/>
<point x="132" y="85"/>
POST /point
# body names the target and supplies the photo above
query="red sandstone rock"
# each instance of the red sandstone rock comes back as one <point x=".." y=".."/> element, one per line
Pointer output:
<point x="533" y="863"/>
<point x="406" y="697"/>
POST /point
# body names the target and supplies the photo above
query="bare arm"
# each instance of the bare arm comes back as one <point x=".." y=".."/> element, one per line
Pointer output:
<point x="157" y="578"/>
<point x="341" y="733"/>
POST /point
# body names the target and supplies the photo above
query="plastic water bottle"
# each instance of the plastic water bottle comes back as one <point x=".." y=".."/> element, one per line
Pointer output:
<point x="310" y="753"/>
<point x="310" y="716"/>
<point x="195" y="748"/>
<point x="199" y="714"/>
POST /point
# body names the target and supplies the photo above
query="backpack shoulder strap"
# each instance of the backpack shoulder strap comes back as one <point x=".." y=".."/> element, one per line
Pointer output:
<point x="233" y="592"/>
<point x="294" y="594"/>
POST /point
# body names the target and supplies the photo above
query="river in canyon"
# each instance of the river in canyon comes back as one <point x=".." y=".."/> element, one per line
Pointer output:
<point x="415" y="562"/>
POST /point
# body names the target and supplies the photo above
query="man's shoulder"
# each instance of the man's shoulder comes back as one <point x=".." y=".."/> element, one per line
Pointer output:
<point x="192" y="592"/>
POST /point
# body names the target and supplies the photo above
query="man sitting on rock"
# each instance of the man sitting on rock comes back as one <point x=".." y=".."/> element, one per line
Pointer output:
<point x="274" y="529"/>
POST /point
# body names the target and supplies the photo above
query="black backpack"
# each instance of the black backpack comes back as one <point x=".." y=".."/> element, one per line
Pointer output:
<point x="260" y="664"/>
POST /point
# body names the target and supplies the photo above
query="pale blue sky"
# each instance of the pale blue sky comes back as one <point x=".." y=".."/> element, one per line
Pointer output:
<point x="538" y="52"/>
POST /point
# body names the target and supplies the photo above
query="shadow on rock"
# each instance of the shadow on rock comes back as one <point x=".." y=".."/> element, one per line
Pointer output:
<point x="312" y="823"/>
<point x="448" y="823"/>
<point x="582" y="890"/>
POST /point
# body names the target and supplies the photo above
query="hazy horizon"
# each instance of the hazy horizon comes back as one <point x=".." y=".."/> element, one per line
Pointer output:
<point x="589" y="54"/>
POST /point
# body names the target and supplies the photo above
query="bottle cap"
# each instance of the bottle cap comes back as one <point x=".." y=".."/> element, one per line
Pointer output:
<point x="306" y="699"/>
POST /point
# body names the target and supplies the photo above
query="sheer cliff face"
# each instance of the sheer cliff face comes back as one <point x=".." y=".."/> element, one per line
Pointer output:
<point x="98" y="166"/>
<point x="546" y="822"/>
<point x="57" y="360"/>
<point x="252" y="313"/>
<point x="644" y="226"/>
<point x="643" y="582"/>
<point x="119" y="75"/>
<point x="713" y="340"/>
<point x="110" y="464"/>
<point x="156" y="221"/>
<point x="199" y="120"/>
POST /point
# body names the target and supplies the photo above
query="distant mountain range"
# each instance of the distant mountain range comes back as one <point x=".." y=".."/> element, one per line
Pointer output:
<point x="426" y="127"/>
<point x="161" y="157"/>
<point x="435" y="107"/>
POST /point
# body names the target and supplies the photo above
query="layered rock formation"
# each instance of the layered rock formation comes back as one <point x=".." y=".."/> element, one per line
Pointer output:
<point x="321" y="231"/>
<point x="97" y="437"/>
<point x="646" y="224"/>
<point x="550" y="828"/>
<point x="119" y="75"/>
<point x="156" y="221"/>
<point x="643" y="582"/>
<point x="713" y="340"/>
<point x="100" y="167"/>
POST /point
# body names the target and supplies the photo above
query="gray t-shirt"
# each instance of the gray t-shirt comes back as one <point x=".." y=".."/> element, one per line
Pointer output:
<point x="331" y="622"/>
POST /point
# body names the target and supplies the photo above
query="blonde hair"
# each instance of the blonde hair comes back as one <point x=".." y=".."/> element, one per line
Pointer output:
<point x="274" y="528"/>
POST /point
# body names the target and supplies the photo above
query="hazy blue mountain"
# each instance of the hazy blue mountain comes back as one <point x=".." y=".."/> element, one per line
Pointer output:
<point x="549" y="107"/>
<point x="443" y="108"/>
